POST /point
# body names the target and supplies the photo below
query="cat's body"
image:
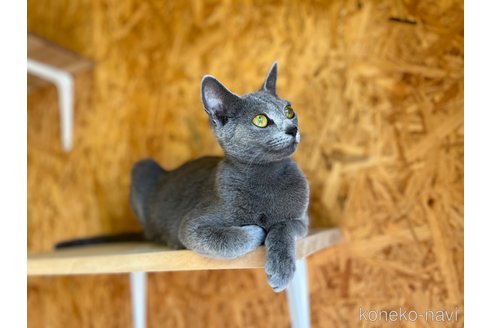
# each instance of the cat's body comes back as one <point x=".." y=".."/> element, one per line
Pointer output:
<point x="232" y="193"/>
<point x="227" y="207"/>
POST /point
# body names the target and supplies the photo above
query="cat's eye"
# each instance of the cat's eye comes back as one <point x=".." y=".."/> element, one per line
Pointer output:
<point x="289" y="112"/>
<point x="260" y="120"/>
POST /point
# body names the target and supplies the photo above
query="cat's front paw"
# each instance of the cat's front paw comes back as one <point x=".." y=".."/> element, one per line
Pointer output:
<point x="280" y="270"/>
<point x="256" y="235"/>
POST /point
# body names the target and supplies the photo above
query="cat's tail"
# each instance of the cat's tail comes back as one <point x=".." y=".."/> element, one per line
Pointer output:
<point x="118" y="238"/>
<point x="146" y="175"/>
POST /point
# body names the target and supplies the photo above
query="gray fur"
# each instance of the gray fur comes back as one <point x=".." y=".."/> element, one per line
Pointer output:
<point x="225" y="207"/>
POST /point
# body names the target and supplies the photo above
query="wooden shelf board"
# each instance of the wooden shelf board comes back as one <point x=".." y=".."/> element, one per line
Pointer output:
<point x="49" y="53"/>
<point x="131" y="257"/>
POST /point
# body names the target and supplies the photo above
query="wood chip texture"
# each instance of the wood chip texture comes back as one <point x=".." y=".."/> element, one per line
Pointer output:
<point x="378" y="88"/>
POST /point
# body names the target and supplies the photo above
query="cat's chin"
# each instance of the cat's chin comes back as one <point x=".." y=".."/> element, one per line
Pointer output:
<point x="288" y="150"/>
<point x="292" y="148"/>
<point x="293" y="144"/>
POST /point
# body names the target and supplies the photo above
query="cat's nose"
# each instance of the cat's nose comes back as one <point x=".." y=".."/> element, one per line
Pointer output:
<point x="291" y="130"/>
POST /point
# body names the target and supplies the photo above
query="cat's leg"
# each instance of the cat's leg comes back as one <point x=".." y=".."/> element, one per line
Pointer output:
<point x="280" y="246"/>
<point x="203" y="236"/>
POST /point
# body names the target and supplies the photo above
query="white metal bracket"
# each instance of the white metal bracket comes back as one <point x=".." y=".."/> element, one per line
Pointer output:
<point x="138" y="286"/>
<point x="298" y="296"/>
<point x="64" y="84"/>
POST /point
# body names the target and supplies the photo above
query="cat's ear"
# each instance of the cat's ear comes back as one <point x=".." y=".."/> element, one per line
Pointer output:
<point x="270" y="83"/>
<point x="219" y="102"/>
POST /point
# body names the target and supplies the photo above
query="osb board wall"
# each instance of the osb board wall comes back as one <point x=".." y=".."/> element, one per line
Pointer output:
<point x="378" y="87"/>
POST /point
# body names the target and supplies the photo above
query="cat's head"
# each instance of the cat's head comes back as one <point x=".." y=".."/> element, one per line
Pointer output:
<point x="258" y="127"/>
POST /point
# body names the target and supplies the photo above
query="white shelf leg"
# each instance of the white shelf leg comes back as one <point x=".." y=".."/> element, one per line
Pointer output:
<point x="65" y="95"/>
<point x="298" y="297"/>
<point x="64" y="85"/>
<point x="138" y="286"/>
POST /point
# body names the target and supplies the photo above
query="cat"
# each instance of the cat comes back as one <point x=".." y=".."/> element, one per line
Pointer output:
<point x="225" y="207"/>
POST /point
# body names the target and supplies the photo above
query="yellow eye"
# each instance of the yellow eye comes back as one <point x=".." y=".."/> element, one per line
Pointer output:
<point x="289" y="112"/>
<point x="260" y="120"/>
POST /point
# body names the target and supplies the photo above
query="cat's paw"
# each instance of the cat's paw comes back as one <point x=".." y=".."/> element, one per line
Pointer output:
<point x="256" y="235"/>
<point x="279" y="270"/>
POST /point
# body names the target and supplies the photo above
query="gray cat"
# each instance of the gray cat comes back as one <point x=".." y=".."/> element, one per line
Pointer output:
<point x="225" y="207"/>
